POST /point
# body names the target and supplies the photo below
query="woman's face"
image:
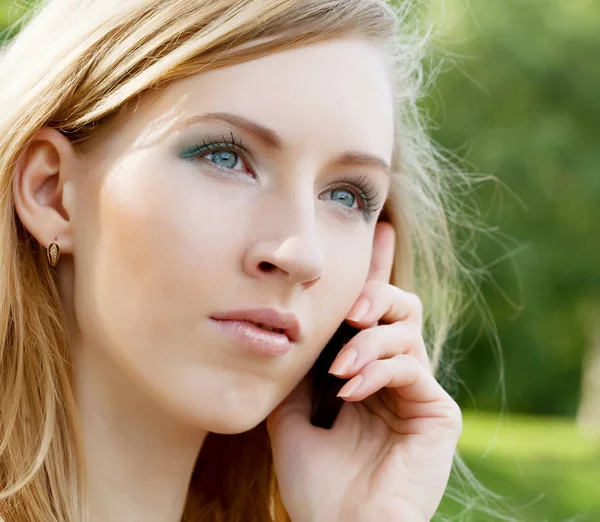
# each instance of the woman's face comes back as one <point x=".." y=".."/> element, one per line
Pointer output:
<point x="246" y="187"/>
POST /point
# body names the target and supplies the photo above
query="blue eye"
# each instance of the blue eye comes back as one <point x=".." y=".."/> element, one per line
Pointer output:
<point x="357" y="194"/>
<point x="224" y="158"/>
<point x="225" y="155"/>
<point x="344" y="196"/>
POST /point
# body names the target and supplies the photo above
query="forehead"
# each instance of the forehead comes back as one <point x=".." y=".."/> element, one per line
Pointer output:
<point x="325" y="98"/>
<point x="338" y="86"/>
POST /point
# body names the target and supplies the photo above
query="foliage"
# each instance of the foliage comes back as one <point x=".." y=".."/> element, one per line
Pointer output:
<point x="518" y="98"/>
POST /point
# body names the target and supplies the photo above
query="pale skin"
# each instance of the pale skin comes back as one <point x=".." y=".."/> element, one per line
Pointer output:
<point x="153" y="243"/>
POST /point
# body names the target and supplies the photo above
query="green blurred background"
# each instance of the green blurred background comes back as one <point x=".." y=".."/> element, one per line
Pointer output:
<point x="517" y="98"/>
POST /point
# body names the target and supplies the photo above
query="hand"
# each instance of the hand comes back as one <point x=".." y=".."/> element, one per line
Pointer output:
<point x="388" y="456"/>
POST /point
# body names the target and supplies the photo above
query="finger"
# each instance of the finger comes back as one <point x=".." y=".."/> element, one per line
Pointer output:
<point x="385" y="303"/>
<point x="380" y="342"/>
<point x="382" y="255"/>
<point x="421" y="404"/>
<point x="416" y="417"/>
<point x="402" y="372"/>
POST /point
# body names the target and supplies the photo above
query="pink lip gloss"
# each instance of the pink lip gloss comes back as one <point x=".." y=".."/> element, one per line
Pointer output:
<point x="255" y="338"/>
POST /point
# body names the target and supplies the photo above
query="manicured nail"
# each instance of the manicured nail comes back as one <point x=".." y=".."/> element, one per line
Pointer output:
<point x="360" y="309"/>
<point x="351" y="386"/>
<point x="343" y="364"/>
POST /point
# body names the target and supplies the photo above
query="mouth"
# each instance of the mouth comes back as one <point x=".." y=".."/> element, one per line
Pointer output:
<point x="269" y="328"/>
<point x="259" y="336"/>
<point x="266" y="319"/>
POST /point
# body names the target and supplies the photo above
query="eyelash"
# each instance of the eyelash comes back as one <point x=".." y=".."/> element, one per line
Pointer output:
<point x="361" y="186"/>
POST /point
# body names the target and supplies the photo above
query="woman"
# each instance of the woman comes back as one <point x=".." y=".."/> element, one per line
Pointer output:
<point x="196" y="194"/>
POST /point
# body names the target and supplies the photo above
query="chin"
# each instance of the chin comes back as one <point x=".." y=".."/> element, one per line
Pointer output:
<point x="226" y="428"/>
<point x="228" y="418"/>
<point x="232" y="424"/>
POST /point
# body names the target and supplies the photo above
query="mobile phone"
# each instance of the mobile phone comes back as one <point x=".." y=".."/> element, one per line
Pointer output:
<point x="325" y="404"/>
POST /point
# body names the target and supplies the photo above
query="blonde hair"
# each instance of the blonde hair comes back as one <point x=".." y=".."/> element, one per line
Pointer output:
<point x="78" y="63"/>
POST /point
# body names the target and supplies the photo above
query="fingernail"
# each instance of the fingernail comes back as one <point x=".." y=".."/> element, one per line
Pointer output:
<point x="350" y="387"/>
<point x="343" y="364"/>
<point x="360" y="309"/>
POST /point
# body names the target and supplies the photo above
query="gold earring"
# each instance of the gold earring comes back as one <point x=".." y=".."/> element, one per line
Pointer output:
<point x="53" y="252"/>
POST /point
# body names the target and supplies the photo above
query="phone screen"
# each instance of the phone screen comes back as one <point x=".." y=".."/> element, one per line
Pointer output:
<point x="325" y="404"/>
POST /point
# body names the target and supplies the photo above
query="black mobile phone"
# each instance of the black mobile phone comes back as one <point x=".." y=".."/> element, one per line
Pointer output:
<point x="325" y="404"/>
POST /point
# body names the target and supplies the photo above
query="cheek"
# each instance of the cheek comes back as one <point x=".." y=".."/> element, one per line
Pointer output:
<point x="348" y="258"/>
<point x="154" y="250"/>
<point x="150" y="257"/>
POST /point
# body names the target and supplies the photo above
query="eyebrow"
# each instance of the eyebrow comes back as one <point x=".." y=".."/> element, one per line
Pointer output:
<point x="272" y="140"/>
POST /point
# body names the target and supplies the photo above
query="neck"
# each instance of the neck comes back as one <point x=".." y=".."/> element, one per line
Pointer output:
<point x="139" y="460"/>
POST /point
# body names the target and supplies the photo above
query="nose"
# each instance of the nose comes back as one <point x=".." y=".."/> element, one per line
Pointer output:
<point x="287" y="249"/>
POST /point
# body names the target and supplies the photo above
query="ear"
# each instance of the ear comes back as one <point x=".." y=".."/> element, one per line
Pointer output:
<point x="42" y="188"/>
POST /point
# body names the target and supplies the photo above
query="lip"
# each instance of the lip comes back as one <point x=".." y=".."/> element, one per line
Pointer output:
<point x="286" y="321"/>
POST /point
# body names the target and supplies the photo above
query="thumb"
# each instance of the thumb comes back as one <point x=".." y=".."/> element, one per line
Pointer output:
<point x="294" y="411"/>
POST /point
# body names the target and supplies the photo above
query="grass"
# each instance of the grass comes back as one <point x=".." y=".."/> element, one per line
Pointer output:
<point x="545" y="470"/>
